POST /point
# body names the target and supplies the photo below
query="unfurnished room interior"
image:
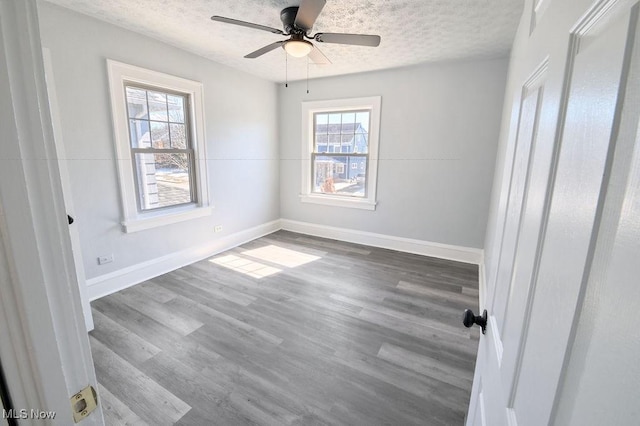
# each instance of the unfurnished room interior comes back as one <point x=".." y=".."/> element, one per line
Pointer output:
<point x="319" y="212"/>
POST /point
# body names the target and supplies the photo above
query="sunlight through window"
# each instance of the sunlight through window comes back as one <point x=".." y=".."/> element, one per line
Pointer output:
<point x="281" y="256"/>
<point x="271" y="254"/>
<point x="245" y="266"/>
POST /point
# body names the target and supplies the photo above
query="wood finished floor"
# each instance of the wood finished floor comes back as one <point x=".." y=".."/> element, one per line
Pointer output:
<point x="290" y="330"/>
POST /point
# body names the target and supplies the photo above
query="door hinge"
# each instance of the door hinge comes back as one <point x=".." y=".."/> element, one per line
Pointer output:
<point x="83" y="403"/>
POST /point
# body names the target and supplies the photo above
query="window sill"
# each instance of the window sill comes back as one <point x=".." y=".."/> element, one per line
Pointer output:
<point x="337" y="201"/>
<point x="166" y="217"/>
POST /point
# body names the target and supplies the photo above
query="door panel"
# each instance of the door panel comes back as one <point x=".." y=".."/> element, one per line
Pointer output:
<point x="612" y="294"/>
<point x="521" y="283"/>
<point x="576" y="195"/>
<point x="532" y="95"/>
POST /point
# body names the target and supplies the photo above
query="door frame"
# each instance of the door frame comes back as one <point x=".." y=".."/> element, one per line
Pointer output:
<point x="48" y="357"/>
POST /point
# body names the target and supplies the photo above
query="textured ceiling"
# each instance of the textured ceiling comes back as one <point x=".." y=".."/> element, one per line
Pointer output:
<point x="412" y="31"/>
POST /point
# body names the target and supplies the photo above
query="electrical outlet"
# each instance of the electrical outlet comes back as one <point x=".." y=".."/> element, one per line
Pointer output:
<point x="217" y="228"/>
<point x="105" y="259"/>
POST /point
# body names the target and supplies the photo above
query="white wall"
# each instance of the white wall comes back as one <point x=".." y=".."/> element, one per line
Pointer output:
<point x="241" y="131"/>
<point x="438" y="138"/>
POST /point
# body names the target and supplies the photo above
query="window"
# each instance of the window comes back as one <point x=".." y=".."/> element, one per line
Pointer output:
<point x="159" y="132"/>
<point x="161" y="147"/>
<point x="340" y="152"/>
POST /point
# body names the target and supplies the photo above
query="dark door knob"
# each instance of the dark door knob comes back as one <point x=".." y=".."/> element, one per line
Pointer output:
<point x="468" y="319"/>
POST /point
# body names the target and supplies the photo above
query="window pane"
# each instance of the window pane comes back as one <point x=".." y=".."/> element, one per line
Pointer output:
<point x="176" y="108"/>
<point x="339" y="175"/>
<point x="361" y="130"/>
<point x="321" y="142"/>
<point x="157" y="106"/>
<point x="136" y="102"/>
<point x="160" y="135"/>
<point x="322" y="118"/>
<point x="178" y="136"/>
<point x="163" y="180"/>
<point x="335" y="120"/>
<point x="334" y="139"/>
<point x="139" y="133"/>
<point x="360" y="143"/>
<point x="348" y="120"/>
<point x="362" y="118"/>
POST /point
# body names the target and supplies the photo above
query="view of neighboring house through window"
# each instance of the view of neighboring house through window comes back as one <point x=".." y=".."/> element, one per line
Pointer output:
<point x="340" y="152"/>
<point x="340" y="139"/>
<point x="161" y="149"/>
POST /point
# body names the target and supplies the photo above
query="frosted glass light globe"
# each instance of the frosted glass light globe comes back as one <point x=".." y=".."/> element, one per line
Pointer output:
<point x="298" y="48"/>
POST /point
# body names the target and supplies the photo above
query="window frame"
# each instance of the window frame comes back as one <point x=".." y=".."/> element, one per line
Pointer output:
<point x="309" y="108"/>
<point x="189" y="150"/>
<point x="133" y="218"/>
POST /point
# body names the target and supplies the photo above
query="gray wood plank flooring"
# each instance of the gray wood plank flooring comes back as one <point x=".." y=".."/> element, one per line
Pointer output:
<point x="290" y="329"/>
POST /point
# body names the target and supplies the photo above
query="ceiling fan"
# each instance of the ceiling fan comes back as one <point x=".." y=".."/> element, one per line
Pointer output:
<point x="297" y="22"/>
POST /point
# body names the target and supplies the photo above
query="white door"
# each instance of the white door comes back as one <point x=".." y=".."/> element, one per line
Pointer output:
<point x="557" y="192"/>
<point x="3" y="421"/>
<point x="601" y="382"/>
<point x="66" y="190"/>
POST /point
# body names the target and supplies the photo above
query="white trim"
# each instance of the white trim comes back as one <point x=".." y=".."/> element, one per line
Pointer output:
<point x="118" y="73"/>
<point x="408" y="245"/>
<point x="338" y="201"/>
<point x="482" y="284"/>
<point x="511" y="417"/>
<point x="497" y="339"/>
<point x="106" y="284"/>
<point x="177" y="215"/>
<point x="372" y="104"/>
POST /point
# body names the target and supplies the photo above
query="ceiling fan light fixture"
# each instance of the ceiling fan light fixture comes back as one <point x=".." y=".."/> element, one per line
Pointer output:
<point x="298" y="48"/>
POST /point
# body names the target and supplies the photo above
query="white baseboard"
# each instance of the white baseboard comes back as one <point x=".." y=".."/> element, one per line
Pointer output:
<point x="112" y="282"/>
<point x="408" y="245"/>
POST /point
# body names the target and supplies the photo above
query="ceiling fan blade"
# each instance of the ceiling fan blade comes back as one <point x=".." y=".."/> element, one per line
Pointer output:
<point x="246" y="24"/>
<point x="317" y="57"/>
<point x="356" y="39"/>
<point x="308" y="12"/>
<point x="266" y="49"/>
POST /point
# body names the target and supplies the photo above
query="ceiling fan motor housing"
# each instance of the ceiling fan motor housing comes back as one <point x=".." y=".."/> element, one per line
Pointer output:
<point x="288" y="17"/>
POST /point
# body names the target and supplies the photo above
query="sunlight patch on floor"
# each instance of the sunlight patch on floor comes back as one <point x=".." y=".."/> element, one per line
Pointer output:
<point x="271" y="254"/>
<point x="281" y="256"/>
<point x="245" y="266"/>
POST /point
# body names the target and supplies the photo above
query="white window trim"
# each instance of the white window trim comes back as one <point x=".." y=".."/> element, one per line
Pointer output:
<point x="132" y="219"/>
<point x="311" y="107"/>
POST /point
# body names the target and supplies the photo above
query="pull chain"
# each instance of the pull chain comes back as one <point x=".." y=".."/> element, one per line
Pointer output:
<point x="307" y="74"/>
<point x="286" y="70"/>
